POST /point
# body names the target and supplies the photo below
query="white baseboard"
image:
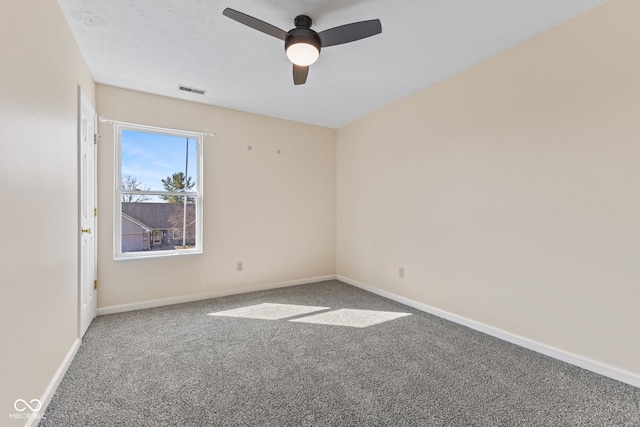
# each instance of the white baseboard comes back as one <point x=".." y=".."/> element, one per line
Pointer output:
<point x="215" y="294"/>
<point x="53" y="384"/>
<point x="565" y="356"/>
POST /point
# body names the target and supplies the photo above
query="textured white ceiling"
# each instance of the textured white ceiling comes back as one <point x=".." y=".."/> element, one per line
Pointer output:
<point x="155" y="45"/>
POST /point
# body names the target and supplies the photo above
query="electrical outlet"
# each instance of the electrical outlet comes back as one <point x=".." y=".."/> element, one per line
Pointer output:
<point x="401" y="272"/>
<point x="239" y="266"/>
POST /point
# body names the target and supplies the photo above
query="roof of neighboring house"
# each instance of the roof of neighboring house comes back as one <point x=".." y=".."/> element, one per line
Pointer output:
<point x="136" y="222"/>
<point x="159" y="216"/>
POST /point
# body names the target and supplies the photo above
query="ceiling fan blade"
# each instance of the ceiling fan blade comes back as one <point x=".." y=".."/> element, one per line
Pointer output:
<point x="300" y="74"/>
<point x="255" y="23"/>
<point x="350" y="32"/>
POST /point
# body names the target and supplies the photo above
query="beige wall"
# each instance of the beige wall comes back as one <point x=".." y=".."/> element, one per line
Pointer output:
<point x="510" y="193"/>
<point x="275" y="212"/>
<point x="40" y="69"/>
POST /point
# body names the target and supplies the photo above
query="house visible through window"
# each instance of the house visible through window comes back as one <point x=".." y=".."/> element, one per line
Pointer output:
<point x="158" y="192"/>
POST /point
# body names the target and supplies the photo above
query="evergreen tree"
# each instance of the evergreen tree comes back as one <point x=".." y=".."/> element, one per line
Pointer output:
<point x="177" y="183"/>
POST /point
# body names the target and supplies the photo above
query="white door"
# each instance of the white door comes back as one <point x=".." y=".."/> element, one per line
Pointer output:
<point x="88" y="212"/>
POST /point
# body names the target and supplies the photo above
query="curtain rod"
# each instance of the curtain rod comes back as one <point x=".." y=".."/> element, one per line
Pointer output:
<point x="109" y="121"/>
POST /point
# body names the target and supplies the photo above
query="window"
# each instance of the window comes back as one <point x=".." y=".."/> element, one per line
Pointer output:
<point x="158" y="209"/>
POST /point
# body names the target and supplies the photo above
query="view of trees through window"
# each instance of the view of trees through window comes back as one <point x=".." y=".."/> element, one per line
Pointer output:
<point x="158" y="191"/>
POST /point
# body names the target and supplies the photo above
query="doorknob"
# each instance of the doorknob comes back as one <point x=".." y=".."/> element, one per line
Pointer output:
<point x="85" y="230"/>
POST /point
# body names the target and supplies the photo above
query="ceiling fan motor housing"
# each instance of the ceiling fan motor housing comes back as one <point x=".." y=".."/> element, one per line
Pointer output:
<point x="302" y="35"/>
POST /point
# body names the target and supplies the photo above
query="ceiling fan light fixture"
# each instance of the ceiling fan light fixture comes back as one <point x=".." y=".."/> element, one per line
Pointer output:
<point x="302" y="53"/>
<point x="302" y="45"/>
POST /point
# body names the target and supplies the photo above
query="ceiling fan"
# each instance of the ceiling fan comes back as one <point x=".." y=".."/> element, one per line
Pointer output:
<point x="302" y="44"/>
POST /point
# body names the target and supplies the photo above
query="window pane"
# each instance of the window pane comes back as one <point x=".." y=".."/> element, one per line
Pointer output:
<point x="157" y="224"/>
<point x="152" y="163"/>
<point x="155" y="162"/>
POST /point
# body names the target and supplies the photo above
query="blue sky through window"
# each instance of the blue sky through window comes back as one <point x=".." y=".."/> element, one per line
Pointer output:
<point x="151" y="157"/>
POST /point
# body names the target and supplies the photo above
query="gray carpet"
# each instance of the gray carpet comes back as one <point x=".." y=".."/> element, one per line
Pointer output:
<point x="179" y="366"/>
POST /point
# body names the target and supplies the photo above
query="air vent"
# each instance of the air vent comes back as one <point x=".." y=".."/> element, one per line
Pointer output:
<point x="192" y="90"/>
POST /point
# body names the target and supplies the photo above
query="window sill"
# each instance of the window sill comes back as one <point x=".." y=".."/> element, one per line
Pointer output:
<point x="134" y="256"/>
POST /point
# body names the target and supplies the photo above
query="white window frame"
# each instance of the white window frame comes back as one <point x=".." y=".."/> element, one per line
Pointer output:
<point x="118" y="255"/>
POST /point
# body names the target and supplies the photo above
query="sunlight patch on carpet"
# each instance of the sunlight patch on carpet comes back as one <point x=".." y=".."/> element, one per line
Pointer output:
<point x="269" y="311"/>
<point x="351" y="317"/>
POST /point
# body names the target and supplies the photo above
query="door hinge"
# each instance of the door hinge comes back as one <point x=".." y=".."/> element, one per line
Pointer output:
<point x="95" y="284"/>
<point x="95" y="211"/>
<point x="95" y="138"/>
